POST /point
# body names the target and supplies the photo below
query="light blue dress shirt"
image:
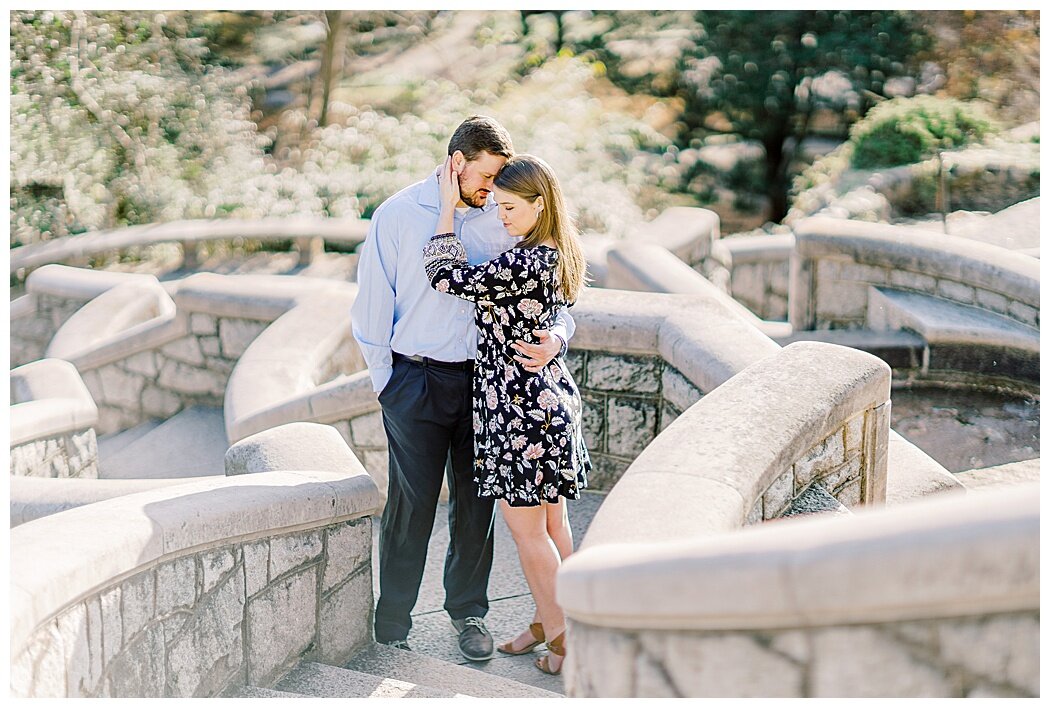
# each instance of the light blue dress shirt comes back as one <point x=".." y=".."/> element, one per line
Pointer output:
<point x="396" y="309"/>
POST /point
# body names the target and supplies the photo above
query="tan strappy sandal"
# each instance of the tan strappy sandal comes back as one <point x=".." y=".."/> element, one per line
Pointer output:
<point x="554" y="646"/>
<point x="536" y="629"/>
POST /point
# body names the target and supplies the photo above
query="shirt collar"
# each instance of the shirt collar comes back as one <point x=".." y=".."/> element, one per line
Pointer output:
<point x="430" y="196"/>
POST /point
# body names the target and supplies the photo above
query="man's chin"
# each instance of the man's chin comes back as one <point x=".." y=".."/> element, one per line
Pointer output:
<point x="475" y="201"/>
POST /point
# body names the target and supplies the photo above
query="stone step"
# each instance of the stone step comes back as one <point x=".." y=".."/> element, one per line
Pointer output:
<point x="256" y="692"/>
<point x="110" y="445"/>
<point x="323" y="681"/>
<point x="999" y="476"/>
<point x="958" y="337"/>
<point x="415" y="667"/>
<point x="191" y="443"/>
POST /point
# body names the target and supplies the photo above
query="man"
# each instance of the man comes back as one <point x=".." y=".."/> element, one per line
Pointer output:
<point x="419" y="346"/>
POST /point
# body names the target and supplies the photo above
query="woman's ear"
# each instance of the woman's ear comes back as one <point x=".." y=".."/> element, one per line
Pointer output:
<point x="538" y="204"/>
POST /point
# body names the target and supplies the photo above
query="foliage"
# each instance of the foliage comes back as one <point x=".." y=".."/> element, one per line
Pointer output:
<point x="907" y="130"/>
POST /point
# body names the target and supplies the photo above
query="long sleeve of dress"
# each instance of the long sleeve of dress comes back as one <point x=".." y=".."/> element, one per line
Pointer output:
<point x="446" y="265"/>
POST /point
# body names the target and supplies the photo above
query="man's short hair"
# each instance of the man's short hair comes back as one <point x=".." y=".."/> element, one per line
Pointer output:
<point x="479" y="134"/>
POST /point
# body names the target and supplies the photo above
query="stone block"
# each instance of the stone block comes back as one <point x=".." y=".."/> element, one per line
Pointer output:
<point x="137" y="595"/>
<point x="840" y="301"/>
<point x="777" y="498"/>
<point x="606" y="471"/>
<point x="190" y="380"/>
<point x="122" y="390"/>
<point x="176" y="585"/>
<point x="593" y="419"/>
<point x="112" y="624"/>
<point x="823" y="457"/>
<point x="139" y="671"/>
<point x="346" y="618"/>
<point x="21" y="677"/>
<point x="850" y="495"/>
<point x="1024" y="313"/>
<point x="629" y="374"/>
<point x="94" y="616"/>
<point x="215" y="565"/>
<point x="837" y="477"/>
<point x="256" y="566"/>
<point x="210" y="650"/>
<point x="281" y="625"/>
<point x="992" y="301"/>
<point x="292" y="551"/>
<point x="854" y="434"/>
<point x="210" y="346"/>
<point x="861" y="272"/>
<point x="793" y="644"/>
<point x="632" y="425"/>
<point x="707" y="665"/>
<point x="237" y="334"/>
<point x="143" y="363"/>
<point x="908" y="280"/>
<point x="576" y="363"/>
<point x="72" y="627"/>
<point x="349" y="547"/>
<point x="159" y="403"/>
<point x="957" y="292"/>
<point x="368" y="430"/>
<point x="610" y="659"/>
<point x="219" y="365"/>
<point x="377" y="463"/>
<point x="755" y="515"/>
<point x="863" y="662"/>
<point x="48" y="656"/>
<point x="677" y="389"/>
<point x="201" y="323"/>
<point x="668" y="415"/>
<point x="1001" y="648"/>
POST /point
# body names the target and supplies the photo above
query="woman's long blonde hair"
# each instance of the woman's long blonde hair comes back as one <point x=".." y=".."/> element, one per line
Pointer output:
<point x="530" y="178"/>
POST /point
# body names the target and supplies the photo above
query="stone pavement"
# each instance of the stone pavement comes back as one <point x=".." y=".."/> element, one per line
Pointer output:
<point x="510" y="604"/>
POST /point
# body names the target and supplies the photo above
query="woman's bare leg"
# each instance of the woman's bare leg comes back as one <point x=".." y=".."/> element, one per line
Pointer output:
<point x="539" y="561"/>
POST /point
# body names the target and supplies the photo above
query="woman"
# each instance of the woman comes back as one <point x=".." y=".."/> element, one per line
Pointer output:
<point x="528" y="439"/>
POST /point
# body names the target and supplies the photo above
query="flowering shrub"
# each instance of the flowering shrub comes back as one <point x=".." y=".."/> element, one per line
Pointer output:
<point x="117" y="119"/>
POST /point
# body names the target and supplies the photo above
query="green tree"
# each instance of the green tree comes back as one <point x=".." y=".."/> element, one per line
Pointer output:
<point x="753" y="73"/>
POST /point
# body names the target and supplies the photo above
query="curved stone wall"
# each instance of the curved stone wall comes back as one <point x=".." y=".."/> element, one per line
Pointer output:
<point x="196" y="589"/>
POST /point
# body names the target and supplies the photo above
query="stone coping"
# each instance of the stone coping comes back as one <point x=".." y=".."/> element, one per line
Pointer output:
<point x="918" y="250"/>
<point x="348" y="231"/>
<point x="698" y="335"/>
<point x="36" y="497"/>
<point x="943" y="557"/>
<point x="63" y="558"/>
<point x="648" y="267"/>
<point x="127" y="317"/>
<point x="912" y="474"/>
<point x="687" y="232"/>
<point x="704" y="472"/>
<point x="258" y="297"/>
<point x="759" y="249"/>
<point x="79" y="283"/>
<point x="274" y="381"/>
<point x="49" y="398"/>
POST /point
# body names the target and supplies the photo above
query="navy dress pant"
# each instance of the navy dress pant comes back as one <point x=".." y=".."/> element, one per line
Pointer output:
<point x="428" y="420"/>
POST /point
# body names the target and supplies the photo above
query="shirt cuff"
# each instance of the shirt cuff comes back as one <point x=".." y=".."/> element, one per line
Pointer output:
<point x="564" y="345"/>
<point x="380" y="377"/>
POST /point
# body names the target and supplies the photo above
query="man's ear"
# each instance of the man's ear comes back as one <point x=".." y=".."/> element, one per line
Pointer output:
<point x="458" y="161"/>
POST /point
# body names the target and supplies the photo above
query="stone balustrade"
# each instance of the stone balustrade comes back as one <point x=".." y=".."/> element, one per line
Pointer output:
<point x="890" y="600"/>
<point x="836" y="261"/>
<point x="938" y="598"/>
<point x="760" y="272"/>
<point x="200" y="588"/>
<point x="307" y="232"/>
<point x="52" y="419"/>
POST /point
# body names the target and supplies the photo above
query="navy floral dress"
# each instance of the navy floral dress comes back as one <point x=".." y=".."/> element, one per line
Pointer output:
<point x="528" y="437"/>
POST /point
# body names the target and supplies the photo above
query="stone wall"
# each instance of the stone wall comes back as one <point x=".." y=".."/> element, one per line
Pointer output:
<point x="760" y="272"/>
<point x="836" y="261"/>
<point x="627" y="401"/>
<point x="69" y="454"/>
<point x="995" y="655"/>
<point x="33" y="330"/>
<point x="206" y="622"/>
<point x="202" y="587"/>
<point x="190" y="370"/>
<point x="842" y="464"/>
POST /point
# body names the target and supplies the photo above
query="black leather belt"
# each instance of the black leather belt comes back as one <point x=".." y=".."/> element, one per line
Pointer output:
<point x="467" y="365"/>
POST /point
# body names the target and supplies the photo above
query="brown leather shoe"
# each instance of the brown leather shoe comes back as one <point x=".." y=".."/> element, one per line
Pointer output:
<point x="554" y="646"/>
<point x="536" y="630"/>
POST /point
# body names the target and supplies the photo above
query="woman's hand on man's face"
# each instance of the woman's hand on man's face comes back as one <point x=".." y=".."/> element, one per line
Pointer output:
<point x="448" y="183"/>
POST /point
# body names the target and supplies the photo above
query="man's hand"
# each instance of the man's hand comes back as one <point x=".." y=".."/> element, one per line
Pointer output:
<point x="534" y="357"/>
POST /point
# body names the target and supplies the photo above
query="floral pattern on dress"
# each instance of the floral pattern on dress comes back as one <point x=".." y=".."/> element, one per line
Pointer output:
<point x="528" y="434"/>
